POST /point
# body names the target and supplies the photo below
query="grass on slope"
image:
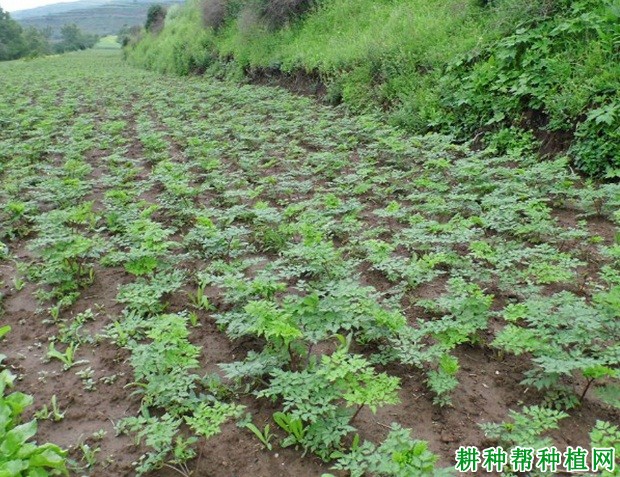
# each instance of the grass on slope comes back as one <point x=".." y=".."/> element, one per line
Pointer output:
<point x="108" y="43"/>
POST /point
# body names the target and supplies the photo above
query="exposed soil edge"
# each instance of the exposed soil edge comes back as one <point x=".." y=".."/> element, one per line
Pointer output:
<point x="298" y="82"/>
<point x="311" y="84"/>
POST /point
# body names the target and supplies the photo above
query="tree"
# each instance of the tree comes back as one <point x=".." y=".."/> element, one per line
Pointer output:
<point x="127" y="33"/>
<point x="155" y="18"/>
<point x="74" y="39"/>
<point x="36" y="42"/>
<point x="71" y="37"/>
<point x="12" y="45"/>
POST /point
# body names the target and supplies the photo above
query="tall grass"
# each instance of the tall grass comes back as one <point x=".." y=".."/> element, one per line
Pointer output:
<point x="372" y="52"/>
<point x="183" y="46"/>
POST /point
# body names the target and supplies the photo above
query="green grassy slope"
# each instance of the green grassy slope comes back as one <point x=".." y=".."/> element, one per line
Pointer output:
<point x="451" y="65"/>
<point x="109" y="42"/>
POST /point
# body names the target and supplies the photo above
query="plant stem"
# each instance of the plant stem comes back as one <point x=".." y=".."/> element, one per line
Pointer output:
<point x="185" y="474"/>
<point x="356" y="412"/>
<point x="583" y="394"/>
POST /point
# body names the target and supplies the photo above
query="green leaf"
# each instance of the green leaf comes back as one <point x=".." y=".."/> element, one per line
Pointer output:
<point x="4" y="330"/>
<point x="13" y="468"/>
<point x="610" y="394"/>
<point x="48" y="456"/>
<point x="18" y="402"/>
<point x="17" y="436"/>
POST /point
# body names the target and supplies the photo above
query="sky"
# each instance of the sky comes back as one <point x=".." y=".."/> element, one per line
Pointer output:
<point x="13" y="5"/>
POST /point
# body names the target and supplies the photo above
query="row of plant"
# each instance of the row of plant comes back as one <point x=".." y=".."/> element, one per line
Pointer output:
<point x="496" y="70"/>
<point x="313" y="240"/>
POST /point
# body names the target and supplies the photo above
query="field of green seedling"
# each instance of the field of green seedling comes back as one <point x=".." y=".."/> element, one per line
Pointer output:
<point x="208" y="279"/>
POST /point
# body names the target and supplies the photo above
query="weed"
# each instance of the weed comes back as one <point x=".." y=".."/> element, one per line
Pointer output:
<point x="54" y="413"/>
<point x="67" y="358"/>
<point x="265" y="436"/>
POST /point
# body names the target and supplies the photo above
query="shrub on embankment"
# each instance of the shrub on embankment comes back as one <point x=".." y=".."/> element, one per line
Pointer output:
<point x="483" y="68"/>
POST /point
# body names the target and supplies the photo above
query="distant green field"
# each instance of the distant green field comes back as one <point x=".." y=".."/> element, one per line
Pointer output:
<point x="108" y="43"/>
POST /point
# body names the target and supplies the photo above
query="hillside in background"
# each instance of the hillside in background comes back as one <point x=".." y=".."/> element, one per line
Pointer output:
<point x="57" y="8"/>
<point x="102" y="17"/>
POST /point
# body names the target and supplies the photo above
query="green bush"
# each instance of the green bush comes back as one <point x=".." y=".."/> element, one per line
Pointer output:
<point x="560" y="74"/>
<point x="155" y="18"/>
<point x="181" y="48"/>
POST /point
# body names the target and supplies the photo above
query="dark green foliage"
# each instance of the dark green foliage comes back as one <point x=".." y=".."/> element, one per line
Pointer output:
<point x="558" y="75"/>
<point x="12" y="44"/>
<point x="37" y="41"/>
<point x="74" y="39"/>
<point x="17" y="42"/>
<point x="155" y="18"/>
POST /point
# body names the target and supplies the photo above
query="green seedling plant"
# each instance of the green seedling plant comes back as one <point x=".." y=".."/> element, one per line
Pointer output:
<point x="145" y="243"/>
<point x="525" y="429"/>
<point x="199" y="299"/>
<point x="99" y="435"/>
<point x="275" y="325"/>
<point x="163" y="368"/>
<point x="54" y="312"/>
<point x="86" y="376"/>
<point x="70" y="330"/>
<point x="67" y="358"/>
<point x="89" y="455"/>
<point x="53" y="412"/>
<point x="207" y="419"/>
<point x="293" y="427"/>
<point x="18" y="283"/>
<point x="321" y="395"/>
<point x="66" y="258"/>
<point x="465" y="310"/>
<point x="565" y="336"/>
<point x="161" y="437"/>
<point x="398" y="455"/>
<point x="265" y="436"/>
